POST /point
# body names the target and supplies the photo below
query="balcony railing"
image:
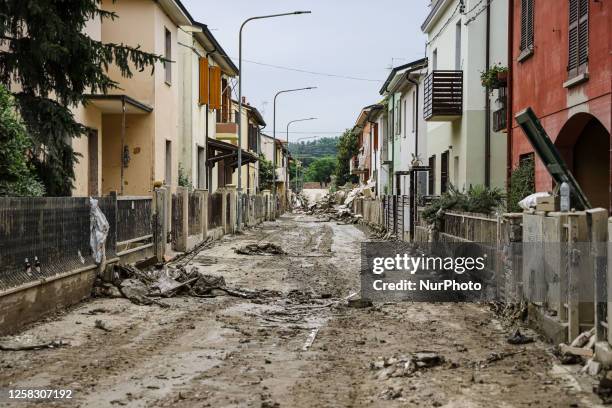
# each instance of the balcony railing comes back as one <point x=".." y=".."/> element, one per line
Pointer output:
<point x="443" y="96"/>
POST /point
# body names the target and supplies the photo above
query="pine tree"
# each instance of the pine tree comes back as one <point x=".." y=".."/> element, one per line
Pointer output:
<point x="51" y="65"/>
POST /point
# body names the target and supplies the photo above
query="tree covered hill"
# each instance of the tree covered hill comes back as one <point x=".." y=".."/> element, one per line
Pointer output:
<point x="309" y="150"/>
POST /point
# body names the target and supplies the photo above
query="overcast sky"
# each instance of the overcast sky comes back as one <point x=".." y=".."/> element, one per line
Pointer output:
<point x="355" y="38"/>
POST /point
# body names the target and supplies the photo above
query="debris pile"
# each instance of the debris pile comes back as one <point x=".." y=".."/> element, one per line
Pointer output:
<point x="265" y="248"/>
<point x="145" y="287"/>
<point x="405" y="366"/>
<point x="579" y="351"/>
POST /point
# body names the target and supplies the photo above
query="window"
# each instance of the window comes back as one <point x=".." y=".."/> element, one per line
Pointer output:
<point x="527" y="16"/>
<point x="405" y="122"/>
<point x="201" y="167"/>
<point x="432" y="175"/>
<point x="168" y="56"/>
<point x="444" y="172"/>
<point x="434" y="58"/>
<point x="578" y="37"/>
<point x="458" y="46"/>
<point x="397" y="114"/>
<point x="168" y="172"/>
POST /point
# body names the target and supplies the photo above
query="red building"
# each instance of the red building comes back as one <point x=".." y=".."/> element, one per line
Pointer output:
<point x="561" y="53"/>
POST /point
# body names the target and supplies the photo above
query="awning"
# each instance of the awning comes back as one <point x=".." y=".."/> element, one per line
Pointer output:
<point x="219" y="150"/>
<point x="113" y="104"/>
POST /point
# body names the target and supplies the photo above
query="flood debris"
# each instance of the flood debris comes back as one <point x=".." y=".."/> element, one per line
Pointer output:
<point x="145" y="287"/>
<point x="517" y="338"/>
<point x="359" y="303"/>
<point x="579" y="351"/>
<point x="391" y="393"/>
<point x="311" y="338"/>
<point x="99" y="324"/>
<point x="36" y="346"/>
<point x="265" y="248"/>
<point x="404" y="366"/>
<point x="604" y="388"/>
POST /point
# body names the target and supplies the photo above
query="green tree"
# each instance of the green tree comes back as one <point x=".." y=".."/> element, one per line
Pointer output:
<point x="266" y="173"/>
<point x="55" y="65"/>
<point x="321" y="170"/>
<point x="347" y="148"/>
<point x="17" y="177"/>
<point x="522" y="184"/>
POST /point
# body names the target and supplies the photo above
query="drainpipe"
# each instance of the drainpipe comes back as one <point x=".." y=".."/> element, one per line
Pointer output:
<point x="488" y="102"/>
<point x="416" y="121"/>
<point x="509" y="93"/>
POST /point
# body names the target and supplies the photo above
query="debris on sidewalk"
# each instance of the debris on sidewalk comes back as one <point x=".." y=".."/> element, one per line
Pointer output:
<point x="266" y="248"/>
<point x="579" y="351"/>
<point x="604" y="388"/>
<point x="518" y="338"/>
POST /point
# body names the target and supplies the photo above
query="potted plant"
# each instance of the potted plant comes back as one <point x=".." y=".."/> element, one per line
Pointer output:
<point x="495" y="77"/>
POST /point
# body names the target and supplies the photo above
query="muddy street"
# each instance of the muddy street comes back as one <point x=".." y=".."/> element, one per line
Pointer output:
<point x="304" y="347"/>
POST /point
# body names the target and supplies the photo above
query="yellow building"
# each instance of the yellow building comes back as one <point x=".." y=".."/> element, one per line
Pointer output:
<point x="134" y="141"/>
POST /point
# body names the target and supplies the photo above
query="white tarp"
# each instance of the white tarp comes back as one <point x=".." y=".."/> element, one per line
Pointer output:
<point x="99" y="228"/>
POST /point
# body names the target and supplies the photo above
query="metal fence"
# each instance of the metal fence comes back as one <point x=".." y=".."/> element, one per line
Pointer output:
<point x="177" y="218"/>
<point x="194" y="214"/>
<point x="215" y="210"/>
<point x="43" y="237"/>
<point x="134" y="219"/>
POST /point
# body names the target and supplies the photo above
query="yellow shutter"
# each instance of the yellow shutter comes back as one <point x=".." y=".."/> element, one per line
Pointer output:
<point x="203" y="88"/>
<point x="215" y="88"/>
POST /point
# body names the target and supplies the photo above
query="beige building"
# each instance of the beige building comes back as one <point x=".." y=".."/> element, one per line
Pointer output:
<point x="206" y="73"/>
<point x="134" y="142"/>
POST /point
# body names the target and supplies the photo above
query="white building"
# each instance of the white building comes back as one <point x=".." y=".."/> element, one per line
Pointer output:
<point x="462" y="148"/>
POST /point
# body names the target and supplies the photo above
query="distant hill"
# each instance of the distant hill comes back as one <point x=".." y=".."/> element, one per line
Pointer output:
<point x="308" y="151"/>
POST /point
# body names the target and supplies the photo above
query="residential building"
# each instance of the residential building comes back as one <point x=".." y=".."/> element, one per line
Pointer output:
<point x="562" y="69"/>
<point x="134" y="138"/>
<point x="464" y="38"/>
<point x="405" y="132"/>
<point x="269" y="148"/>
<point x="204" y="68"/>
<point x="367" y="139"/>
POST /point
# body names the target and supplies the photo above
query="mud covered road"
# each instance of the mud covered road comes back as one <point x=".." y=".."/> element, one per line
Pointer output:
<point x="232" y="352"/>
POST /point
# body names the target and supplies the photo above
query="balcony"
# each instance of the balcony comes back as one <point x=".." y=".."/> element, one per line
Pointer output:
<point x="443" y="96"/>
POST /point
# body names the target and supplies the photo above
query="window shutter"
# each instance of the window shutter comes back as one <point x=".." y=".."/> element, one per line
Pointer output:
<point x="583" y="33"/>
<point x="444" y="172"/>
<point x="530" y="23"/>
<point x="527" y="18"/>
<point x="578" y="38"/>
<point x="203" y="81"/>
<point x="215" y="87"/>
<point x="432" y="175"/>
<point x="523" y="24"/>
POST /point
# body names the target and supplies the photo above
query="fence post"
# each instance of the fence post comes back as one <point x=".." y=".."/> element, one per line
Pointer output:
<point x="181" y="242"/>
<point x="573" y="295"/>
<point x="598" y="230"/>
<point x="160" y="231"/>
<point x="266" y="202"/>
<point x="204" y="212"/>
<point x="231" y="189"/>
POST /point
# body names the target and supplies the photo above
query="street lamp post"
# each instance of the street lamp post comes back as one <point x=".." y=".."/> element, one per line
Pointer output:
<point x="288" y="168"/>
<point x="274" y="131"/>
<point x="239" y="186"/>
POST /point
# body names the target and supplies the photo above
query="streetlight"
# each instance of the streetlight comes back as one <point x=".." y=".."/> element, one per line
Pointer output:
<point x="288" y="168"/>
<point x="274" y="131"/>
<point x="239" y="187"/>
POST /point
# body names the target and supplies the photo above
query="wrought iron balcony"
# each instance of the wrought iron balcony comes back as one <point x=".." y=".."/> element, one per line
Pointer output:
<point x="443" y="96"/>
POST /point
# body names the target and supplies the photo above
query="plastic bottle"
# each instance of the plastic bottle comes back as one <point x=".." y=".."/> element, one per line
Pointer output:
<point x="565" y="197"/>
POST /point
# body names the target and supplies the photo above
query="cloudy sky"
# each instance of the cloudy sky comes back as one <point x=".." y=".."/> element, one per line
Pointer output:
<point x="352" y="38"/>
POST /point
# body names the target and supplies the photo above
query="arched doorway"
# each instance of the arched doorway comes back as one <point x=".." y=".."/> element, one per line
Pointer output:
<point x="584" y="143"/>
